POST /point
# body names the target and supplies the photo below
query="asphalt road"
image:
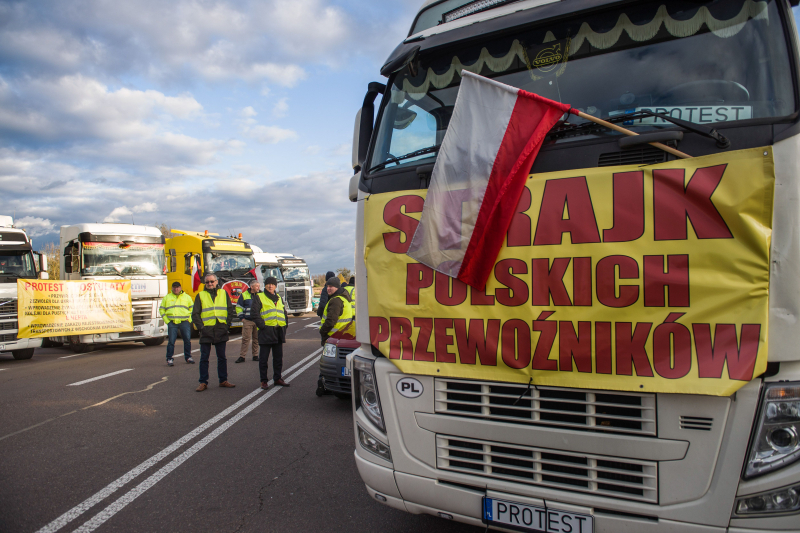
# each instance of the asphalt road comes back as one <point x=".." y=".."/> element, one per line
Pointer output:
<point x="140" y="450"/>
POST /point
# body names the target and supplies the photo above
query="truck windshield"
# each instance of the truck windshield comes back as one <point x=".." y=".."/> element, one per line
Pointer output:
<point x="16" y="265"/>
<point x="271" y="271"/>
<point x="296" y="274"/>
<point x="120" y="259"/>
<point x="217" y="262"/>
<point x="704" y="62"/>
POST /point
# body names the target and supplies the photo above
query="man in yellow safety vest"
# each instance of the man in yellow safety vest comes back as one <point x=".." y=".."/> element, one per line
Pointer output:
<point x="269" y="315"/>
<point x="338" y="319"/>
<point x="175" y="310"/>
<point x="212" y="315"/>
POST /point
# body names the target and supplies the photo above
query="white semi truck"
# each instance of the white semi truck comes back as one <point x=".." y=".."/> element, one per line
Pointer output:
<point x="294" y="280"/>
<point x="438" y="428"/>
<point x="112" y="252"/>
<point x="17" y="261"/>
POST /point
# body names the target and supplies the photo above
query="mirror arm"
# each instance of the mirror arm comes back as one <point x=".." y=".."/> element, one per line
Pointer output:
<point x="367" y="116"/>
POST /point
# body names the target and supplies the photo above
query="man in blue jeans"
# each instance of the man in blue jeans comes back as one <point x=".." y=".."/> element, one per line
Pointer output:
<point x="175" y="310"/>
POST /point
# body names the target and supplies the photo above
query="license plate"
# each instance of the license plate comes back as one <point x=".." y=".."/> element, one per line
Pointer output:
<point x="345" y="371"/>
<point x="533" y="518"/>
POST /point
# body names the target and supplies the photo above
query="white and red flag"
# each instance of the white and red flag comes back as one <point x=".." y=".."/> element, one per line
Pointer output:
<point x="487" y="153"/>
<point x="196" y="281"/>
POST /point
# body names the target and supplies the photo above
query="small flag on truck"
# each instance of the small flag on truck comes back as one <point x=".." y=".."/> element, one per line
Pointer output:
<point x="487" y="153"/>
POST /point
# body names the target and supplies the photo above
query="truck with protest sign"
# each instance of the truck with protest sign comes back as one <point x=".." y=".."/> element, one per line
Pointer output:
<point x="17" y="261"/>
<point x="578" y="267"/>
<point x="190" y="255"/>
<point x="112" y="252"/>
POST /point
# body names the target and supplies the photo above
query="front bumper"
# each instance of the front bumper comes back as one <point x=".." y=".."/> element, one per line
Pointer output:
<point x="331" y="371"/>
<point x="19" y="344"/>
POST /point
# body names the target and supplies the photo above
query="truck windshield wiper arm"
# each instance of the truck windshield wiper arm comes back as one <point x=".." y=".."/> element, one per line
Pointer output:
<point x="711" y="133"/>
<point x="415" y="153"/>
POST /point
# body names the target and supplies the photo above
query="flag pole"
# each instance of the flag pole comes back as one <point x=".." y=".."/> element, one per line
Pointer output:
<point x="614" y="127"/>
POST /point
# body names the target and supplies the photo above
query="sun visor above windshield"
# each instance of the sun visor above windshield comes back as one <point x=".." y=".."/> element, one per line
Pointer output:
<point x="551" y="55"/>
<point x="212" y="245"/>
<point x="87" y="236"/>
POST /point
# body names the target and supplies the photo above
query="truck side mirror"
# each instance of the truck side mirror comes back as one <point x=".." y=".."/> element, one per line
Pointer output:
<point x="43" y="266"/>
<point x="68" y="259"/>
<point x="363" y="127"/>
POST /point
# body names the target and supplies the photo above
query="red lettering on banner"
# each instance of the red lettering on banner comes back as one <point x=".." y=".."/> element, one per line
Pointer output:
<point x="631" y="353"/>
<point x="519" y="231"/>
<point x="516" y="347"/>
<point x="582" y="281"/>
<point x="674" y="203"/>
<point x="675" y="280"/>
<point x="443" y="340"/>
<point x="575" y="346"/>
<point x="474" y="340"/>
<point x="516" y="292"/>
<point x="400" y="339"/>
<point x="628" y="208"/>
<point x="479" y="297"/>
<point x="421" y="352"/>
<point x="602" y="347"/>
<point x="418" y="276"/>
<point x="547" y="335"/>
<point x="607" y="281"/>
<point x="725" y="348"/>
<point x="378" y="330"/>
<point x="399" y="241"/>
<point x="672" y="350"/>
<point x="547" y="281"/>
<point x="572" y="194"/>
<point x="449" y="291"/>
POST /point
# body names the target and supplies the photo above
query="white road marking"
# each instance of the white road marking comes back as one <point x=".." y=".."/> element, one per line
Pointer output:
<point x="1" y="369"/>
<point x="68" y="356"/>
<point x="112" y="487"/>
<point x="99" y="377"/>
<point x="106" y="514"/>
<point x="229" y="340"/>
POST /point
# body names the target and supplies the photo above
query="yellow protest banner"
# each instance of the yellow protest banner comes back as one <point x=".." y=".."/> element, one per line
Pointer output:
<point x="639" y="278"/>
<point x="52" y="308"/>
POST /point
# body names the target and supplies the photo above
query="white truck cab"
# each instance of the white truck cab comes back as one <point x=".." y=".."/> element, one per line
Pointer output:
<point x="294" y="280"/>
<point x="118" y="251"/>
<point x="17" y="261"/>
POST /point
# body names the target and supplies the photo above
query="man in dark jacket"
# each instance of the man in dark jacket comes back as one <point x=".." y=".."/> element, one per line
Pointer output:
<point x="212" y="315"/>
<point x="269" y="315"/>
<point x="331" y="324"/>
<point x="323" y="296"/>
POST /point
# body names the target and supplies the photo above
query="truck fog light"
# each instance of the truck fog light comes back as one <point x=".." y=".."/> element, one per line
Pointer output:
<point x="783" y="440"/>
<point x="380" y="497"/>
<point x="783" y="500"/>
<point x="373" y="445"/>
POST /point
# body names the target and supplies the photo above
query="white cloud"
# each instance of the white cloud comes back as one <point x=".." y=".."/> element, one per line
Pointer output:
<point x="147" y="207"/>
<point x="342" y="149"/>
<point x="117" y="214"/>
<point x="247" y="112"/>
<point x="281" y="107"/>
<point x="34" y="226"/>
<point x="312" y="150"/>
<point x="270" y="134"/>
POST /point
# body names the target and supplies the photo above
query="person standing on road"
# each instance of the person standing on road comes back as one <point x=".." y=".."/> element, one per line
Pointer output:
<point x="323" y="295"/>
<point x="249" y="332"/>
<point x="212" y="315"/>
<point x="338" y="319"/>
<point x="269" y="315"/>
<point x="175" y="310"/>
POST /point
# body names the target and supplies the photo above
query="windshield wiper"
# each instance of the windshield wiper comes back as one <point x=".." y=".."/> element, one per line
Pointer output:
<point x="223" y="272"/>
<point x="415" y="153"/>
<point x="711" y="133"/>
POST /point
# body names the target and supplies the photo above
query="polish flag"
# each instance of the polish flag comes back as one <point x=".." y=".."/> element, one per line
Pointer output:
<point x="494" y="135"/>
<point x="196" y="281"/>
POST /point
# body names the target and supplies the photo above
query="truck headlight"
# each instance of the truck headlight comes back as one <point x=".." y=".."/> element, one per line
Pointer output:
<point x="329" y="350"/>
<point x="783" y="500"/>
<point x="776" y="442"/>
<point x="367" y="390"/>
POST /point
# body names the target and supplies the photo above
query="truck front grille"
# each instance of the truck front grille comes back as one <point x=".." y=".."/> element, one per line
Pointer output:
<point x="8" y="325"/>
<point x="596" y="474"/>
<point x="589" y="410"/>
<point x="142" y="313"/>
<point x="297" y="299"/>
<point x="344" y="352"/>
<point x="8" y="337"/>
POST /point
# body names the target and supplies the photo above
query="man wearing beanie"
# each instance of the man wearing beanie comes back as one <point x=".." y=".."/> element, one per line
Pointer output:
<point x="323" y="296"/>
<point x="249" y="332"/>
<point x="175" y="310"/>
<point x="269" y="315"/>
<point x="338" y="319"/>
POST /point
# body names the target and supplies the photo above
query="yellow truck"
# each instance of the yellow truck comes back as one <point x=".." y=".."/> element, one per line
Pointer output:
<point x="192" y="254"/>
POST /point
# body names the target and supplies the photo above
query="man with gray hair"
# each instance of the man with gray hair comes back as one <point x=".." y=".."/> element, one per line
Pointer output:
<point x="249" y="331"/>
<point x="212" y="315"/>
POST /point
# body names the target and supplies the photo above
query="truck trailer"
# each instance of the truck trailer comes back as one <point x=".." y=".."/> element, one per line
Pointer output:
<point x="17" y="261"/>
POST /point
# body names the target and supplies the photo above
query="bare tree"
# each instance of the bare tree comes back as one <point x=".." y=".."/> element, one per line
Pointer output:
<point x="345" y="272"/>
<point x="166" y="230"/>
<point x="53" y="254"/>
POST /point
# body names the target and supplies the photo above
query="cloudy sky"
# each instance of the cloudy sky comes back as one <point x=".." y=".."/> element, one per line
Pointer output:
<point x="231" y="116"/>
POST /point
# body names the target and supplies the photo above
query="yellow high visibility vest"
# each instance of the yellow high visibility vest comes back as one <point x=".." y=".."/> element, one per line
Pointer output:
<point x="244" y="296"/>
<point x="272" y="313"/>
<point x="176" y="308"/>
<point x="213" y="310"/>
<point x="347" y="321"/>
<point x="352" y="292"/>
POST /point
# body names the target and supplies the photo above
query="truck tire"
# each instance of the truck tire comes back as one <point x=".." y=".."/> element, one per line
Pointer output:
<point x="19" y="355"/>
<point x="47" y="343"/>
<point x="154" y="342"/>
<point x="80" y="347"/>
<point x="342" y="395"/>
<point x="297" y="314"/>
